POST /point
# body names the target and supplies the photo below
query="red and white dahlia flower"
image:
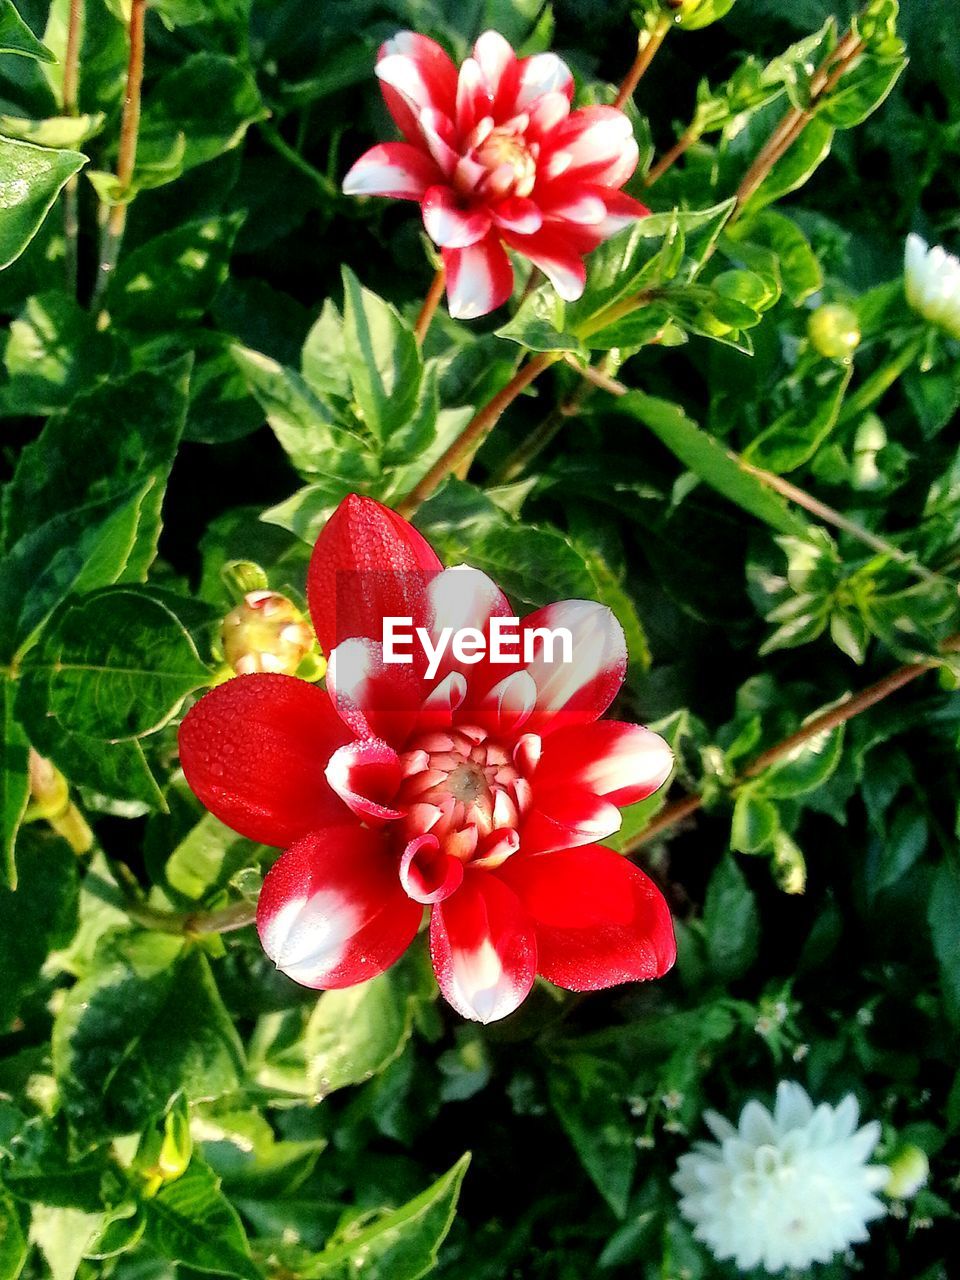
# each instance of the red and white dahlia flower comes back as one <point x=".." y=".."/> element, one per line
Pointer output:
<point x="498" y="160"/>
<point x="479" y="794"/>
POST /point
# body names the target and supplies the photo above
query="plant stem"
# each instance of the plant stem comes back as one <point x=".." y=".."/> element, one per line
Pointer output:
<point x="475" y="432"/>
<point x="193" y="923"/>
<point x="541" y="436"/>
<point x="71" y="90"/>
<point x="670" y="158"/>
<point x="881" y="380"/>
<point x="648" y="42"/>
<point x="430" y="303"/>
<point x="823" y="723"/>
<point x="116" y="218"/>
<point x="275" y="139"/>
<point x="796" y="119"/>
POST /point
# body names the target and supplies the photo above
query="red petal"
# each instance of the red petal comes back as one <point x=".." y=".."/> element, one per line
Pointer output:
<point x="449" y="225"/>
<point x="377" y="699"/>
<point x="600" y="143"/>
<point x="623" y="763"/>
<point x="474" y="100"/>
<point x="566" y="819"/>
<point x="332" y="911"/>
<point x="555" y="253"/>
<point x="539" y="75"/>
<point x="366" y="775"/>
<point x="576" y="692"/>
<point x="479" y="279"/>
<point x="415" y="72"/>
<point x="500" y="69"/>
<point x="427" y="873"/>
<point x="254" y="751"/>
<point x="368" y="563"/>
<point x="483" y="948"/>
<point x="518" y="214"/>
<point x="394" y="169"/>
<point x="598" y="919"/>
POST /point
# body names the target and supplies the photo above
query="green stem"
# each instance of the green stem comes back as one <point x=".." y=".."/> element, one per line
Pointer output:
<point x="274" y="138"/>
<point x="71" y="89"/>
<point x="881" y="380"/>
<point x="193" y="923"/>
<point x="116" y="217"/>
<point x="648" y="42"/>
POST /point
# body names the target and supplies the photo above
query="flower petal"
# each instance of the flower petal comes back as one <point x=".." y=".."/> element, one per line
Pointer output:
<point x="556" y="256"/>
<point x="254" y="751"/>
<point x="565" y="820"/>
<point x="375" y="698"/>
<point x="498" y="65"/>
<point x="366" y="775"/>
<point x="427" y="873"/>
<point x="622" y="763"/>
<point x="474" y="100"/>
<point x="576" y="692"/>
<point x="415" y="72"/>
<point x="439" y="135"/>
<point x="392" y="169"/>
<point x="483" y="948"/>
<point x="517" y="214"/>
<point x="599" y="920"/>
<point x="332" y="911"/>
<point x="479" y="279"/>
<point x="600" y="143"/>
<point x="449" y="225"/>
<point x="368" y="563"/>
<point x="542" y="74"/>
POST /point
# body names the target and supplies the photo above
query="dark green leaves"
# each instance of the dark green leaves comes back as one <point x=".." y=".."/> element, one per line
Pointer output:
<point x="731" y="923"/>
<point x="30" y="180"/>
<point x="190" y="1221"/>
<point x="114" y="665"/>
<point x="16" y="36"/>
<point x="147" y="1023"/>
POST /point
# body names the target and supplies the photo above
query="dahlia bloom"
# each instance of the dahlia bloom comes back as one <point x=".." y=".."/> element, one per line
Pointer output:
<point x="479" y="794"/>
<point x="932" y="283"/>
<point x="498" y="160"/>
<point x="782" y="1190"/>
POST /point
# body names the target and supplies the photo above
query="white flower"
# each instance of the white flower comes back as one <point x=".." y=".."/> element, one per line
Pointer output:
<point x="932" y="282"/>
<point x="782" y="1190"/>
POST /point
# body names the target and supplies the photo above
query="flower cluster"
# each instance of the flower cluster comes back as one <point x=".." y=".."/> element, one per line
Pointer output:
<point x="480" y="793"/>
<point x="784" y="1189"/>
<point x="498" y="161"/>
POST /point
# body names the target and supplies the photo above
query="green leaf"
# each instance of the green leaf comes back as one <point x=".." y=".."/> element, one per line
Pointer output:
<point x="943" y="912"/>
<point x="795" y="167"/>
<point x="63" y="1236"/>
<point x="695" y="14"/>
<point x="711" y="461"/>
<point x="806" y="768"/>
<point x="54" y="350"/>
<point x="382" y="357"/>
<point x="120" y="434"/>
<point x="16" y="36"/>
<point x="324" y="356"/>
<point x="589" y="1106"/>
<point x="900" y="847"/>
<point x="755" y="820"/>
<point x="14" y="783"/>
<point x="861" y="91"/>
<point x="797" y="434"/>
<point x="115" y="664"/>
<point x="731" y="922"/>
<point x="39" y="916"/>
<point x="800" y="272"/>
<point x="402" y="1244"/>
<point x="64" y="132"/>
<point x="30" y="180"/>
<point x="353" y="1034"/>
<point x="205" y="860"/>
<point x="190" y="1221"/>
<point x="539" y="324"/>
<point x="208" y="101"/>
<point x="13" y="1240"/>
<point x="172" y="280"/>
<point x="74" y="552"/>
<point x="147" y="1023"/>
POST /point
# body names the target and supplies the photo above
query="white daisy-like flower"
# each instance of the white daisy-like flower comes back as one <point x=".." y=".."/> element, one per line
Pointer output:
<point x="932" y="282"/>
<point x="782" y="1190"/>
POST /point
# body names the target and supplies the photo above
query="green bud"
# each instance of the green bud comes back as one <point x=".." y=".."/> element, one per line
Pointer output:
<point x="177" y="1146"/>
<point x="834" y="332"/>
<point x="789" y="864"/>
<point x="267" y="632"/>
<point x="909" y="1170"/>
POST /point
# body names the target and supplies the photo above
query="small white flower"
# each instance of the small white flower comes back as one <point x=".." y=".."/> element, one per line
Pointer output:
<point x="932" y="282"/>
<point x="782" y="1190"/>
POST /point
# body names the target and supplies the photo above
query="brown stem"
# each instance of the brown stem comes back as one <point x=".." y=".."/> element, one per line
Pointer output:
<point x="796" y="119"/>
<point x="541" y="436"/>
<point x="430" y="303"/>
<point x="648" y="43"/>
<point x="823" y="723"/>
<point x="670" y="158"/>
<point x="116" y="219"/>
<point x="71" y="90"/>
<point x="475" y="432"/>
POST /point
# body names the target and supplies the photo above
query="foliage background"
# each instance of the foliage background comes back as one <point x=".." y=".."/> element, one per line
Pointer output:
<point x="132" y="1041"/>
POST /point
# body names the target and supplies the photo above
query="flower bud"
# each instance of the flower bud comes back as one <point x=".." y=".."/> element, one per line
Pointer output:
<point x="908" y="1172"/>
<point x="267" y="632"/>
<point x="177" y="1146"/>
<point x="870" y="438"/>
<point x="834" y="332"/>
